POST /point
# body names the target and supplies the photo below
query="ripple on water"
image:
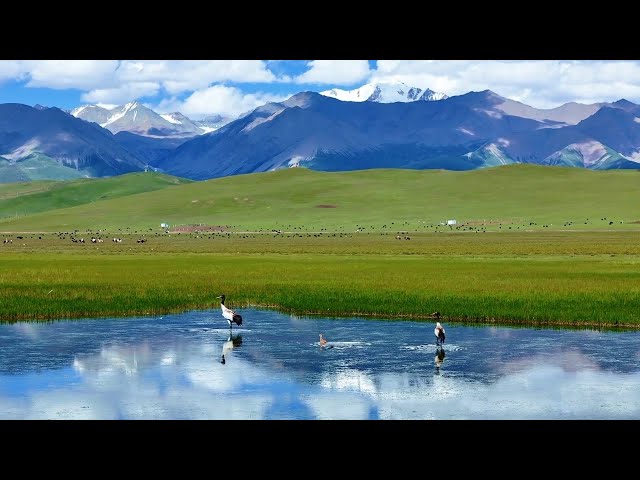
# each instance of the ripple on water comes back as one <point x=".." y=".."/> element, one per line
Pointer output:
<point x="343" y="345"/>
<point x="216" y="330"/>
<point x="430" y="348"/>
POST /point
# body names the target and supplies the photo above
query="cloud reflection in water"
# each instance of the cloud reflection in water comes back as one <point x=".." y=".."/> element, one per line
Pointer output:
<point x="276" y="372"/>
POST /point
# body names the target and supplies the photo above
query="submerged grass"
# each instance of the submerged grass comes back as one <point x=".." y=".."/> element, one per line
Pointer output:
<point x="535" y="278"/>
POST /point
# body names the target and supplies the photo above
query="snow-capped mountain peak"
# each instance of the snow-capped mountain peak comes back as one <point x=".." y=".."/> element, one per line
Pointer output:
<point x="384" y="93"/>
<point x="77" y="111"/>
<point x="121" y="112"/>
<point x="136" y="118"/>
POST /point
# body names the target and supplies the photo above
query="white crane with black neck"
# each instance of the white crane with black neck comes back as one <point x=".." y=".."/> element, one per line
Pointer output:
<point x="231" y="316"/>
<point x="439" y="333"/>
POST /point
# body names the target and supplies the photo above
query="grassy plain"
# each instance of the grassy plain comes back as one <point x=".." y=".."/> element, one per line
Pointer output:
<point x="517" y="196"/>
<point x="544" y="278"/>
<point x="533" y="245"/>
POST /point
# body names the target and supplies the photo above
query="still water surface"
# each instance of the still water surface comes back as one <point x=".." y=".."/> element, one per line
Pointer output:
<point x="170" y="367"/>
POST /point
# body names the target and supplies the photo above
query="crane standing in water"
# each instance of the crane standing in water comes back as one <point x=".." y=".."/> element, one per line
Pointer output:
<point x="439" y="333"/>
<point x="231" y="316"/>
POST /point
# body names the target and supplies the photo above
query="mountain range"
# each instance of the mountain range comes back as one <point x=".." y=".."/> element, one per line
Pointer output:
<point x="67" y="145"/>
<point x="385" y="93"/>
<point x="136" y="118"/>
<point x="374" y="126"/>
<point x="475" y="130"/>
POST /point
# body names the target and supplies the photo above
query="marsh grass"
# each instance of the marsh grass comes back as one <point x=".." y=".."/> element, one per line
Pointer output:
<point x="535" y="278"/>
<point x="535" y="245"/>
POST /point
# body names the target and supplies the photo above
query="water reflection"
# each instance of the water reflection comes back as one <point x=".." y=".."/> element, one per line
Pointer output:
<point x="171" y="368"/>
<point x="118" y="358"/>
<point x="232" y="342"/>
<point x="439" y="358"/>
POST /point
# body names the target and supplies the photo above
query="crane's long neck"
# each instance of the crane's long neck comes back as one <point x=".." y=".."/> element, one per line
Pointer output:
<point x="222" y="300"/>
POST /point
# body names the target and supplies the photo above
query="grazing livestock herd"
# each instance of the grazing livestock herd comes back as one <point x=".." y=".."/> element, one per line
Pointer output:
<point x="203" y="231"/>
<point x="76" y="239"/>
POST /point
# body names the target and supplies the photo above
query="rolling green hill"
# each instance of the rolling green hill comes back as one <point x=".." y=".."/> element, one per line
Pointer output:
<point x="522" y="196"/>
<point x="25" y="199"/>
<point x="8" y="190"/>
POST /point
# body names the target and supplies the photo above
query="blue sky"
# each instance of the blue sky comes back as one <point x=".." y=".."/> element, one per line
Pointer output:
<point x="230" y="87"/>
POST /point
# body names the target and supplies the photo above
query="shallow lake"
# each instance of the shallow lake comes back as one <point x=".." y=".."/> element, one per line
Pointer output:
<point x="170" y="367"/>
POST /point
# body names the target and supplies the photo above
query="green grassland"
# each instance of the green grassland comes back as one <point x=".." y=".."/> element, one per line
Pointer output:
<point x="520" y="196"/>
<point x="26" y="199"/>
<point x="547" y="272"/>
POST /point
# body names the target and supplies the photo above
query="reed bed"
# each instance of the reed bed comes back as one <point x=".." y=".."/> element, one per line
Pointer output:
<point x="535" y="278"/>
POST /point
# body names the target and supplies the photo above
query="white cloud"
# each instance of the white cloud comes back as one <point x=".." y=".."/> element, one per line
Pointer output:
<point x="220" y="99"/>
<point x="61" y="74"/>
<point x="122" y="94"/>
<point x="178" y="76"/>
<point x="108" y="106"/>
<point x="539" y="83"/>
<point x="11" y="69"/>
<point x="175" y="76"/>
<point x="335" y="72"/>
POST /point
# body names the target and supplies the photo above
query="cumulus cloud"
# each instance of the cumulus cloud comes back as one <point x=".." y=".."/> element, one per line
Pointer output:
<point x="221" y="99"/>
<point x="61" y="74"/>
<point x="200" y="86"/>
<point x="178" y="76"/>
<point x="11" y="69"/>
<point x="175" y="76"/>
<point x="539" y="83"/>
<point x="122" y="94"/>
<point x="108" y="106"/>
<point x="340" y="72"/>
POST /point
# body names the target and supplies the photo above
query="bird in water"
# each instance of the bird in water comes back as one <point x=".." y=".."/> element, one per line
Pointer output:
<point x="231" y="316"/>
<point x="439" y="333"/>
<point x="324" y="344"/>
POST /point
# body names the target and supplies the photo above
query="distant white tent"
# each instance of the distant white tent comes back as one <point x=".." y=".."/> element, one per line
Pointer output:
<point x="452" y="222"/>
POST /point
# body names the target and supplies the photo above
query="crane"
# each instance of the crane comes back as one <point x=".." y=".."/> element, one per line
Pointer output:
<point x="231" y="316"/>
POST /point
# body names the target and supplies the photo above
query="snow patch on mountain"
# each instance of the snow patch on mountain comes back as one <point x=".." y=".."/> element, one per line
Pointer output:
<point x="121" y="113"/>
<point x="169" y="118"/>
<point x="77" y="111"/>
<point x="384" y="93"/>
